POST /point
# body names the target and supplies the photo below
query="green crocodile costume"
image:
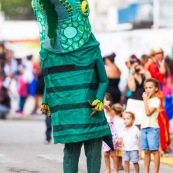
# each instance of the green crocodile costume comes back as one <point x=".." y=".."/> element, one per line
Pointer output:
<point x="73" y="70"/>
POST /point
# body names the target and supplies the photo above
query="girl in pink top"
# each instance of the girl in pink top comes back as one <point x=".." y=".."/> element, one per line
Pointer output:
<point x="168" y="88"/>
<point x="22" y="89"/>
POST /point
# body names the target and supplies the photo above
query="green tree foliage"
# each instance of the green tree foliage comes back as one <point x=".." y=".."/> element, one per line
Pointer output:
<point x="17" y="9"/>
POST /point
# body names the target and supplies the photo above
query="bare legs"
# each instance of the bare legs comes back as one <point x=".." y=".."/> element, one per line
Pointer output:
<point x="120" y="163"/>
<point x="147" y="159"/>
<point x="127" y="166"/>
<point x="156" y="155"/>
<point x="115" y="160"/>
<point x="107" y="156"/>
<point x="107" y="162"/>
<point x="136" y="166"/>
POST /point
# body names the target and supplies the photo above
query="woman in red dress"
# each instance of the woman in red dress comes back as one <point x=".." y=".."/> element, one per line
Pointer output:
<point x="157" y="70"/>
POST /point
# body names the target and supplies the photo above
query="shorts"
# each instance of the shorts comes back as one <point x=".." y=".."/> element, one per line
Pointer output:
<point x="132" y="156"/>
<point x="149" y="139"/>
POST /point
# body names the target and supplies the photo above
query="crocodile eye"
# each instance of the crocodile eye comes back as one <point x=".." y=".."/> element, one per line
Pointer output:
<point x="84" y="6"/>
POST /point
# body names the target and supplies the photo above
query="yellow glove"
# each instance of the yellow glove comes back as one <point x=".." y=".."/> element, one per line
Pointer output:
<point x="97" y="106"/>
<point x="45" y="109"/>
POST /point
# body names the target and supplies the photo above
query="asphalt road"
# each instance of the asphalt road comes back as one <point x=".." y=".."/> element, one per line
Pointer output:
<point x="22" y="150"/>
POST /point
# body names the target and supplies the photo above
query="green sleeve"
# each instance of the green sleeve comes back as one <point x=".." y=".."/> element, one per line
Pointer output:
<point x="102" y="79"/>
<point x="44" y="100"/>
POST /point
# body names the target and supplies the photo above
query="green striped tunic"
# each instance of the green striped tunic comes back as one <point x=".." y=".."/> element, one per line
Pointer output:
<point x="71" y="80"/>
<point x="73" y="69"/>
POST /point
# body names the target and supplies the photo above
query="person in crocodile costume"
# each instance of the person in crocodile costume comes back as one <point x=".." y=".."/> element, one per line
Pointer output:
<point x="75" y="80"/>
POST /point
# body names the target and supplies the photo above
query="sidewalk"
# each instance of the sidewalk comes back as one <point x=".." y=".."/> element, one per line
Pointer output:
<point x="28" y="116"/>
<point x="165" y="160"/>
<point x="28" y="108"/>
<point x="168" y="160"/>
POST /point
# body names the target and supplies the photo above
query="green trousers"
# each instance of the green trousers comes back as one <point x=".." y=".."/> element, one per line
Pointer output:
<point x="92" y="152"/>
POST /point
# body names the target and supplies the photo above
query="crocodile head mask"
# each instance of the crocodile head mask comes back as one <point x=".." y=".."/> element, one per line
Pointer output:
<point x="63" y="24"/>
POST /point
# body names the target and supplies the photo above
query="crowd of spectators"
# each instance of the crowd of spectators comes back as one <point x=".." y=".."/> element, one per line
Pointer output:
<point x="20" y="77"/>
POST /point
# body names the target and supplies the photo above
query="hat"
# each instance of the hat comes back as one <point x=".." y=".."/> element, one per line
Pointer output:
<point x="134" y="59"/>
<point x="111" y="56"/>
<point x="156" y="51"/>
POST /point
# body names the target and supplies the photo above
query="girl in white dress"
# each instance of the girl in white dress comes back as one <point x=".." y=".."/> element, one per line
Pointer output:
<point x="107" y="150"/>
<point x="119" y="125"/>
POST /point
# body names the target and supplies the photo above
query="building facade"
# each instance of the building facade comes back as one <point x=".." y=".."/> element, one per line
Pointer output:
<point x="112" y="15"/>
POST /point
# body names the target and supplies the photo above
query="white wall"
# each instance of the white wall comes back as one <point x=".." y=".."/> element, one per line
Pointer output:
<point x="19" y="30"/>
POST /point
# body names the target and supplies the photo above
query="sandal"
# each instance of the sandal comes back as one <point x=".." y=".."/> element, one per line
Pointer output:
<point x="120" y="167"/>
<point x="168" y="150"/>
<point x="164" y="155"/>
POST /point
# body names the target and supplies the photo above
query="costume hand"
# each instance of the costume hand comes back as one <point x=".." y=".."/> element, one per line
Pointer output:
<point x="45" y="109"/>
<point x="97" y="106"/>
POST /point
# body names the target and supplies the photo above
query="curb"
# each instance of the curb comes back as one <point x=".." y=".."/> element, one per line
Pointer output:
<point x="26" y="117"/>
<point x="166" y="160"/>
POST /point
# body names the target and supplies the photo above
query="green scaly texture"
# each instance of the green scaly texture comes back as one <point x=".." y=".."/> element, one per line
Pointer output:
<point x="51" y="20"/>
<point x="67" y="5"/>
